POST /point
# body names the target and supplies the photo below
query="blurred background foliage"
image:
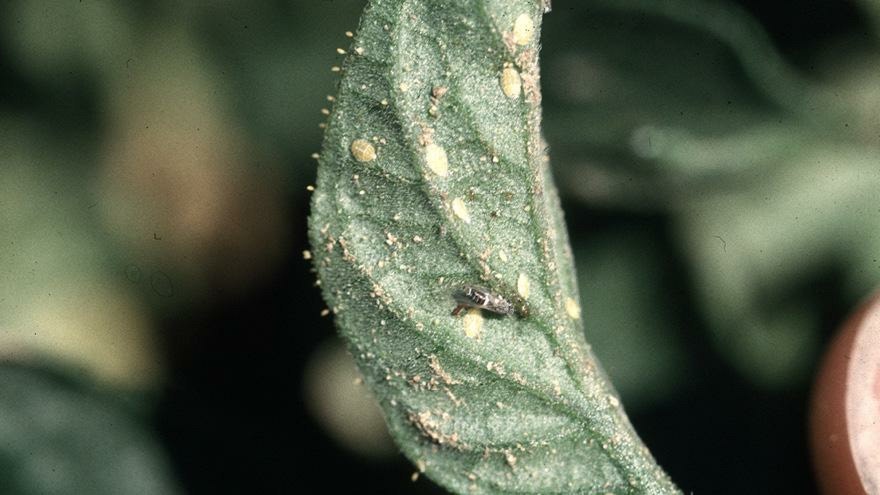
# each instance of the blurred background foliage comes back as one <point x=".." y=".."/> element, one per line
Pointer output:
<point x="159" y="331"/>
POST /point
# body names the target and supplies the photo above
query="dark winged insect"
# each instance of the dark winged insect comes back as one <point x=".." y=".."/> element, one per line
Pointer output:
<point x="475" y="297"/>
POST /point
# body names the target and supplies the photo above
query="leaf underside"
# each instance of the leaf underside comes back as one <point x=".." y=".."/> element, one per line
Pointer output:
<point x="433" y="177"/>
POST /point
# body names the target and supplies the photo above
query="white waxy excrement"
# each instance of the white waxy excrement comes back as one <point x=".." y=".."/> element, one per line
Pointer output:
<point x="523" y="30"/>
<point x="362" y="150"/>
<point x="523" y="285"/>
<point x="511" y="83"/>
<point x="460" y="210"/>
<point x="572" y="308"/>
<point x="437" y="161"/>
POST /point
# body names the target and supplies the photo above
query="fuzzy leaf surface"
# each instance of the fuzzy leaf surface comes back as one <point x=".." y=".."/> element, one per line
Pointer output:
<point x="433" y="176"/>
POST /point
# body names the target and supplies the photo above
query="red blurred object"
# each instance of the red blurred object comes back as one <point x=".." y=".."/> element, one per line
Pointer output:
<point x="845" y="410"/>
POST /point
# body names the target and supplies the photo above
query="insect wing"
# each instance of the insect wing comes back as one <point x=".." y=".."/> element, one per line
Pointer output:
<point x="470" y="297"/>
<point x="473" y="297"/>
<point x="498" y="304"/>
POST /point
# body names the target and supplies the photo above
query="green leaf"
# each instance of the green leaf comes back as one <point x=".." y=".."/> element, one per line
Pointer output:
<point x="433" y="177"/>
<point x="812" y="214"/>
<point x="61" y="436"/>
<point x="662" y="101"/>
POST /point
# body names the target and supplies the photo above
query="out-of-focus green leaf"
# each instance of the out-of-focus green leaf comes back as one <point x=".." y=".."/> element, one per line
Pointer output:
<point x="632" y="322"/>
<point x="753" y="250"/>
<point x="655" y="101"/>
<point x="52" y="39"/>
<point x="687" y="107"/>
<point x="60" y="297"/>
<point x="58" y="439"/>
<point x="755" y="54"/>
<point x="638" y="102"/>
<point x="277" y="59"/>
<point x="433" y="177"/>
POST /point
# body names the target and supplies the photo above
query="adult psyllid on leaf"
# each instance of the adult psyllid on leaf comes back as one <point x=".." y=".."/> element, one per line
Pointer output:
<point x="474" y="297"/>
